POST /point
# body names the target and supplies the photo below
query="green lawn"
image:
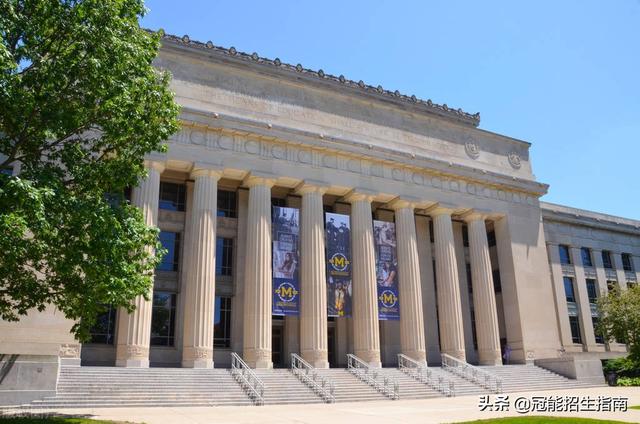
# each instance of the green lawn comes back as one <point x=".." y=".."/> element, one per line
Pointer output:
<point x="51" y="420"/>
<point x="543" y="420"/>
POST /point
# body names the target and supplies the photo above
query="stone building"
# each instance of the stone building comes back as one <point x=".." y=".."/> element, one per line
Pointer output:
<point x="486" y="270"/>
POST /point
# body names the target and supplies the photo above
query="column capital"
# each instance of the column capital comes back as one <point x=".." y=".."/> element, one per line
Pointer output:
<point x="404" y="202"/>
<point x="475" y="215"/>
<point x="206" y="170"/>
<point x="312" y="186"/>
<point x="260" y="179"/>
<point x="156" y="165"/>
<point x="360" y="194"/>
<point x="441" y="208"/>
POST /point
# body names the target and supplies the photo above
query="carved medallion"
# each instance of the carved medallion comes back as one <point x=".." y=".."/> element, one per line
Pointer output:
<point x="514" y="160"/>
<point x="472" y="149"/>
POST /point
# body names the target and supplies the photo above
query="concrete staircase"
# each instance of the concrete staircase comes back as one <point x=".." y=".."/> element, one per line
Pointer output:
<point x="349" y="388"/>
<point x="93" y="387"/>
<point x="89" y="387"/>
<point x="521" y="378"/>
<point x="409" y="387"/>
<point x="282" y="387"/>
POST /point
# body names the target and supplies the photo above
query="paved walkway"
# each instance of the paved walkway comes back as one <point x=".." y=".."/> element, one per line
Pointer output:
<point x="438" y="410"/>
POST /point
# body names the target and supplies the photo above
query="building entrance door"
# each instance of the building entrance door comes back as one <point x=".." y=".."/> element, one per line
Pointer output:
<point x="331" y="346"/>
<point x="277" y="347"/>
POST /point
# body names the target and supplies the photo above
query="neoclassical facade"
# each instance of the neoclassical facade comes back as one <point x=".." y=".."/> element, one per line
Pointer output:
<point x="486" y="271"/>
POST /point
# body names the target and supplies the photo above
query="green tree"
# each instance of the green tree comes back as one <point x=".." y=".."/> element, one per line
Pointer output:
<point x="620" y="319"/>
<point x="80" y="106"/>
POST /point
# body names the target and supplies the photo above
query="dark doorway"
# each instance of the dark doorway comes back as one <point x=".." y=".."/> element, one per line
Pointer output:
<point x="277" y="346"/>
<point x="331" y="346"/>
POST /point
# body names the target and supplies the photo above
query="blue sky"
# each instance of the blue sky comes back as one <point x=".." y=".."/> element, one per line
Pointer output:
<point x="563" y="75"/>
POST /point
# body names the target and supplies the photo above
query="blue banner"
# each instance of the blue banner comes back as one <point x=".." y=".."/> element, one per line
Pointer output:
<point x="285" y="254"/>
<point x="384" y="235"/>
<point x="338" y="256"/>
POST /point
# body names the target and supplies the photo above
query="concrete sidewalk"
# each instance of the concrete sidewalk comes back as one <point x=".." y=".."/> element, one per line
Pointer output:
<point x="440" y="410"/>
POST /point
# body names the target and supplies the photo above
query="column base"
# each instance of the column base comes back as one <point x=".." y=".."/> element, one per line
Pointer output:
<point x="370" y="357"/>
<point x="317" y="358"/>
<point x="489" y="357"/>
<point x="418" y="356"/>
<point x="460" y="354"/>
<point x="132" y="363"/>
<point x="258" y="358"/>
<point x="198" y="363"/>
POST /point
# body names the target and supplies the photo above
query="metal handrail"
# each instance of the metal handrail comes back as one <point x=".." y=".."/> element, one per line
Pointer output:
<point x="474" y="374"/>
<point x="247" y="379"/>
<point x="309" y="375"/>
<point x="388" y="386"/>
<point x="423" y="374"/>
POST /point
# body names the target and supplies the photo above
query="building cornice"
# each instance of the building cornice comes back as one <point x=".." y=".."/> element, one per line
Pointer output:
<point x="574" y="216"/>
<point x="339" y="83"/>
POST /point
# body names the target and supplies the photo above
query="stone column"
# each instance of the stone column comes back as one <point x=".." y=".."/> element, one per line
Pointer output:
<point x="313" y="284"/>
<point x="366" y="328"/>
<point x="429" y="306"/>
<point x="200" y="286"/>
<point x="449" y="303"/>
<point x="484" y="298"/>
<point x="134" y="329"/>
<point x="412" y="336"/>
<point x="257" y="291"/>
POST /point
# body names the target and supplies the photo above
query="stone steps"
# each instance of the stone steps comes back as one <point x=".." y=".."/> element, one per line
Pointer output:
<point x="90" y="387"/>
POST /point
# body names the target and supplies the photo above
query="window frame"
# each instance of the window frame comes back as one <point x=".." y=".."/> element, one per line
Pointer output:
<point x="589" y="257"/>
<point x="224" y="263"/>
<point x="607" y="262"/>
<point x="110" y="336"/>
<point x="174" y="262"/>
<point x="569" y="281"/>
<point x="563" y="250"/>
<point x="223" y="312"/>
<point x="627" y="262"/>
<point x="227" y="203"/>
<point x="179" y="203"/>
<point x="170" y="338"/>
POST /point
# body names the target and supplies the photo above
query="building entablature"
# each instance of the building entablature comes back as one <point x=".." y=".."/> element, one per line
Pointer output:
<point x="211" y="81"/>
<point x="592" y="220"/>
<point x="238" y="152"/>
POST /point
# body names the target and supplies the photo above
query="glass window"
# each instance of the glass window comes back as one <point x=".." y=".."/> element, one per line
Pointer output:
<point x="163" y="319"/>
<point x="575" y="329"/>
<point x="171" y="242"/>
<point x="227" y="204"/>
<point x="592" y="290"/>
<point x="224" y="256"/>
<point x="491" y="238"/>
<point x="626" y="262"/>
<point x="497" y="284"/>
<point x="565" y="257"/>
<point x="104" y="330"/>
<point x="327" y="208"/>
<point x="172" y="196"/>
<point x="606" y="259"/>
<point x="469" y="282"/>
<point x="598" y="334"/>
<point x="568" y="289"/>
<point x="222" y="322"/>
<point x="586" y="256"/>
